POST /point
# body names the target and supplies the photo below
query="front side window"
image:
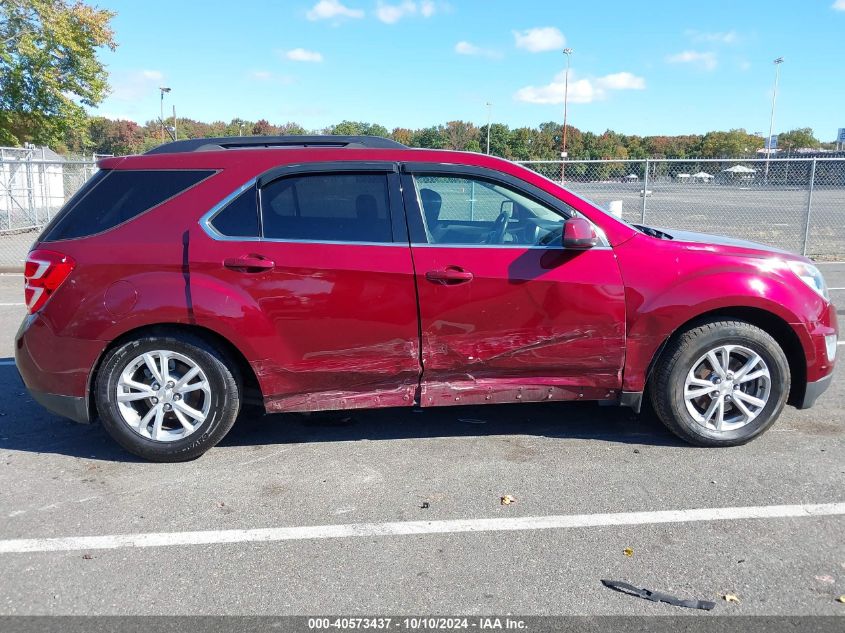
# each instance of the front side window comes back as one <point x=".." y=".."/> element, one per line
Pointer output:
<point x="474" y="211"/>
<point x="343" y="207"/>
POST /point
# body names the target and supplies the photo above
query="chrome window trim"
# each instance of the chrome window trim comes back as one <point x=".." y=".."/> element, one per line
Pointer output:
<point x="206" y="219"/>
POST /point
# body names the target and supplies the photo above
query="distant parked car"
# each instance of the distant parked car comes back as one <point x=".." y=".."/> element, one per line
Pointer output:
<point x="313" y="273"/>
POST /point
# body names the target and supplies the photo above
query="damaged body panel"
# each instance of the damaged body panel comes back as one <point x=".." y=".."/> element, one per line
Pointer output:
<point x="534" y="324"/>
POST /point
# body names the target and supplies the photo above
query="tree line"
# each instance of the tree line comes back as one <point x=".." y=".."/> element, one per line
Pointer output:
<point x="106" y="136"/>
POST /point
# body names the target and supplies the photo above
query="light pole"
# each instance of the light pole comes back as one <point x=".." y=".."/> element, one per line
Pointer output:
<point x="777" y="64"/>
<point x="162" y="89"/>
<point x="489" y="112"/>
<point x="568" y="52"/>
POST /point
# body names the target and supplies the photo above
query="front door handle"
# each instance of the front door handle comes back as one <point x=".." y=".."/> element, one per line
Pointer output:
<point x="249" y="263"/>
<point x="449" y="276"/>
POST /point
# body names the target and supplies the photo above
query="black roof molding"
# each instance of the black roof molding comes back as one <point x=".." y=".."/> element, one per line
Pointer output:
<point x="271" y="142"/>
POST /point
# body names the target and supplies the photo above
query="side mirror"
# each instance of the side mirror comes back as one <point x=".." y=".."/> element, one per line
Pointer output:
<point x="579" y="234"/>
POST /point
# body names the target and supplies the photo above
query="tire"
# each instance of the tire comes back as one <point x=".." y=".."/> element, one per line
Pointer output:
<point x="685" y="369"/>
<point x="183" y="433"/>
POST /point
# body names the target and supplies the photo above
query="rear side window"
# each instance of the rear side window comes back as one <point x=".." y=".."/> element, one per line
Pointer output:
<point x="240" y="217"/>
<point x="119" y="196"/>
<point x="345" y="207"/>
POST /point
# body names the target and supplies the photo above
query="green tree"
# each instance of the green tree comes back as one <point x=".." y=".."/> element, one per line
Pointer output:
<point x="49" y="67"/>
<point x="729" y="144"/>
<point x="459" y="135"/>
<point x="357" y="128"/>
<point x="798" y="138"/>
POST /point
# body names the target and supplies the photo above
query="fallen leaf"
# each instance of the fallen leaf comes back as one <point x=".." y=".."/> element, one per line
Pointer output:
<point x="841" y="599"/>
<point x="628" y="551"/>
<point x="507" y="500"/>
<point x="729" y="597"/>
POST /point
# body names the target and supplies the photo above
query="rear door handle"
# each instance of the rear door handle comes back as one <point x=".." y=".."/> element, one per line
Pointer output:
<point x="249" y="263"/>
<point x="449" y="276"/>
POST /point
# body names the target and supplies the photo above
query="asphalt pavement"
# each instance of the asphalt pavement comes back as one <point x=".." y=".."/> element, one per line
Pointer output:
<point x="447" y="468"/>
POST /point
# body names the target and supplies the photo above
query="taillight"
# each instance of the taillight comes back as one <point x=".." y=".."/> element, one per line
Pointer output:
<point x="44" y="272"/>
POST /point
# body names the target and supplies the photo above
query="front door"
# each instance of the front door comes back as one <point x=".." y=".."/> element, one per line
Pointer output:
<point x="507" y="314"/>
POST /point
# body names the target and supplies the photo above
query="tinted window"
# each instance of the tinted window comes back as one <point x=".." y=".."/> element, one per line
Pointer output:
<point x="464" y="210"/>
<point x="332" y="207"/>
<point x="119" y="196"/>
<point x="240" y="217"/>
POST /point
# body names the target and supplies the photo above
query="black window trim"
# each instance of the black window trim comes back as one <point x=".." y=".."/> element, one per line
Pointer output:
<point x="210" y="173"/>
<point x="399" y="229"/>
<point x="418" y="235"/>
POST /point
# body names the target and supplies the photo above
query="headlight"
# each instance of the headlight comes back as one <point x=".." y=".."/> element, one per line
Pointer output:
<point x="810" y="275"/>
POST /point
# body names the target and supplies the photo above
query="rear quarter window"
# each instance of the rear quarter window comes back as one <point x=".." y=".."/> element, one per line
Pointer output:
<point x="113" y="197"/>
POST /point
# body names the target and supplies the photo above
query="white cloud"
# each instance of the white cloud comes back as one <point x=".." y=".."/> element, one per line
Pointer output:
<point x="135" y="85"/>
<point x="303" y="55"/>
<point x="839" y="5"/>
<point x="261" y="75"/>
<point x="724" y="37"/>
<point x="621" y="81"/>
<point x="465" y="48"/>
<point x="706" y="61"/>
<point x="580" y="90"/>
<point x="546" y="38"/>
<point x="332" y="9"/>
<point x="392" y="13"/>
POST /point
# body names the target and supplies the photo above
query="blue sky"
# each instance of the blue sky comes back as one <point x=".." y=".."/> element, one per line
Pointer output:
<point x="647" y="67"/>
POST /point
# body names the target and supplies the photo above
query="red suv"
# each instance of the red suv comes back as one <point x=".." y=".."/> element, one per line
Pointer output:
<point x="315" y="273"/>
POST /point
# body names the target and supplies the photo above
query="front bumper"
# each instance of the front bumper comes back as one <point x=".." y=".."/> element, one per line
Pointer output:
<point x="813" y="390"/>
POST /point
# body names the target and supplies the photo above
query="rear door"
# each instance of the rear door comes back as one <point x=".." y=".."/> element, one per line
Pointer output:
<point x="506" y="313"/>
<point x="327" y="266"/>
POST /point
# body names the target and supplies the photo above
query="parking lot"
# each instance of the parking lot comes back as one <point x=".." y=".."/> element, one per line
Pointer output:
<point x="375" y="475"/>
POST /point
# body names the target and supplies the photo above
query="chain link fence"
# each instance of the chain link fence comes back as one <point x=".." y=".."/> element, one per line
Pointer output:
<point x="34" y="184"/>
<point x="797" y="204"/>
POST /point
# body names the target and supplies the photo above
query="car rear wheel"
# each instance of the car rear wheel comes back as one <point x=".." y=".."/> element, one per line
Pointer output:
<point x="721" y="383"/>
<point x="167" y="398"/>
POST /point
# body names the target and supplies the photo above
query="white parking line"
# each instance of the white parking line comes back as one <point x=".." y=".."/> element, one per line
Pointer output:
<point x="20" y="303"/>
<point x="407" y="528"/>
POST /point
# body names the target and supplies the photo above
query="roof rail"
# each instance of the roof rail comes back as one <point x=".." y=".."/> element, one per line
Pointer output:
<point x="270" y="142"/>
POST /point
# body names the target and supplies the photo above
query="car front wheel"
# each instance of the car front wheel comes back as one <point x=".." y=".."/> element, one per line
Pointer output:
<point x="721" y="383"/>
<point x="167" y="398"/>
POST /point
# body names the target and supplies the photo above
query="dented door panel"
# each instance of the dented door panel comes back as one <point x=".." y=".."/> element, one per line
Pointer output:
<point x="532" y="324"/>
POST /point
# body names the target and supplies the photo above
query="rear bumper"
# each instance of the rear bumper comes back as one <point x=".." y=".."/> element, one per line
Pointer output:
<point x="66" y="406"/>
<point x="813" y="390"/>
<point x="56" y="369"/>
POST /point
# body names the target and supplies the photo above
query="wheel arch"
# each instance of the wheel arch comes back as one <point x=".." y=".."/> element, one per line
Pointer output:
<point x="252" y="388"/>
<point x="771" y="323"/>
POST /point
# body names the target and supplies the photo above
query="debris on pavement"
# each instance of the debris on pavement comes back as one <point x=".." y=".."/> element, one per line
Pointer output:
<point x="841" y="599"/>
<point x="657" y="596"/>
<point x="628" y="551"/>
<point x="729" y="597"/>
<point x="87" y="557"/>
<point x="425" y="505"/>
<point x="507" y="500"/>
<point x="825" y="578"/>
